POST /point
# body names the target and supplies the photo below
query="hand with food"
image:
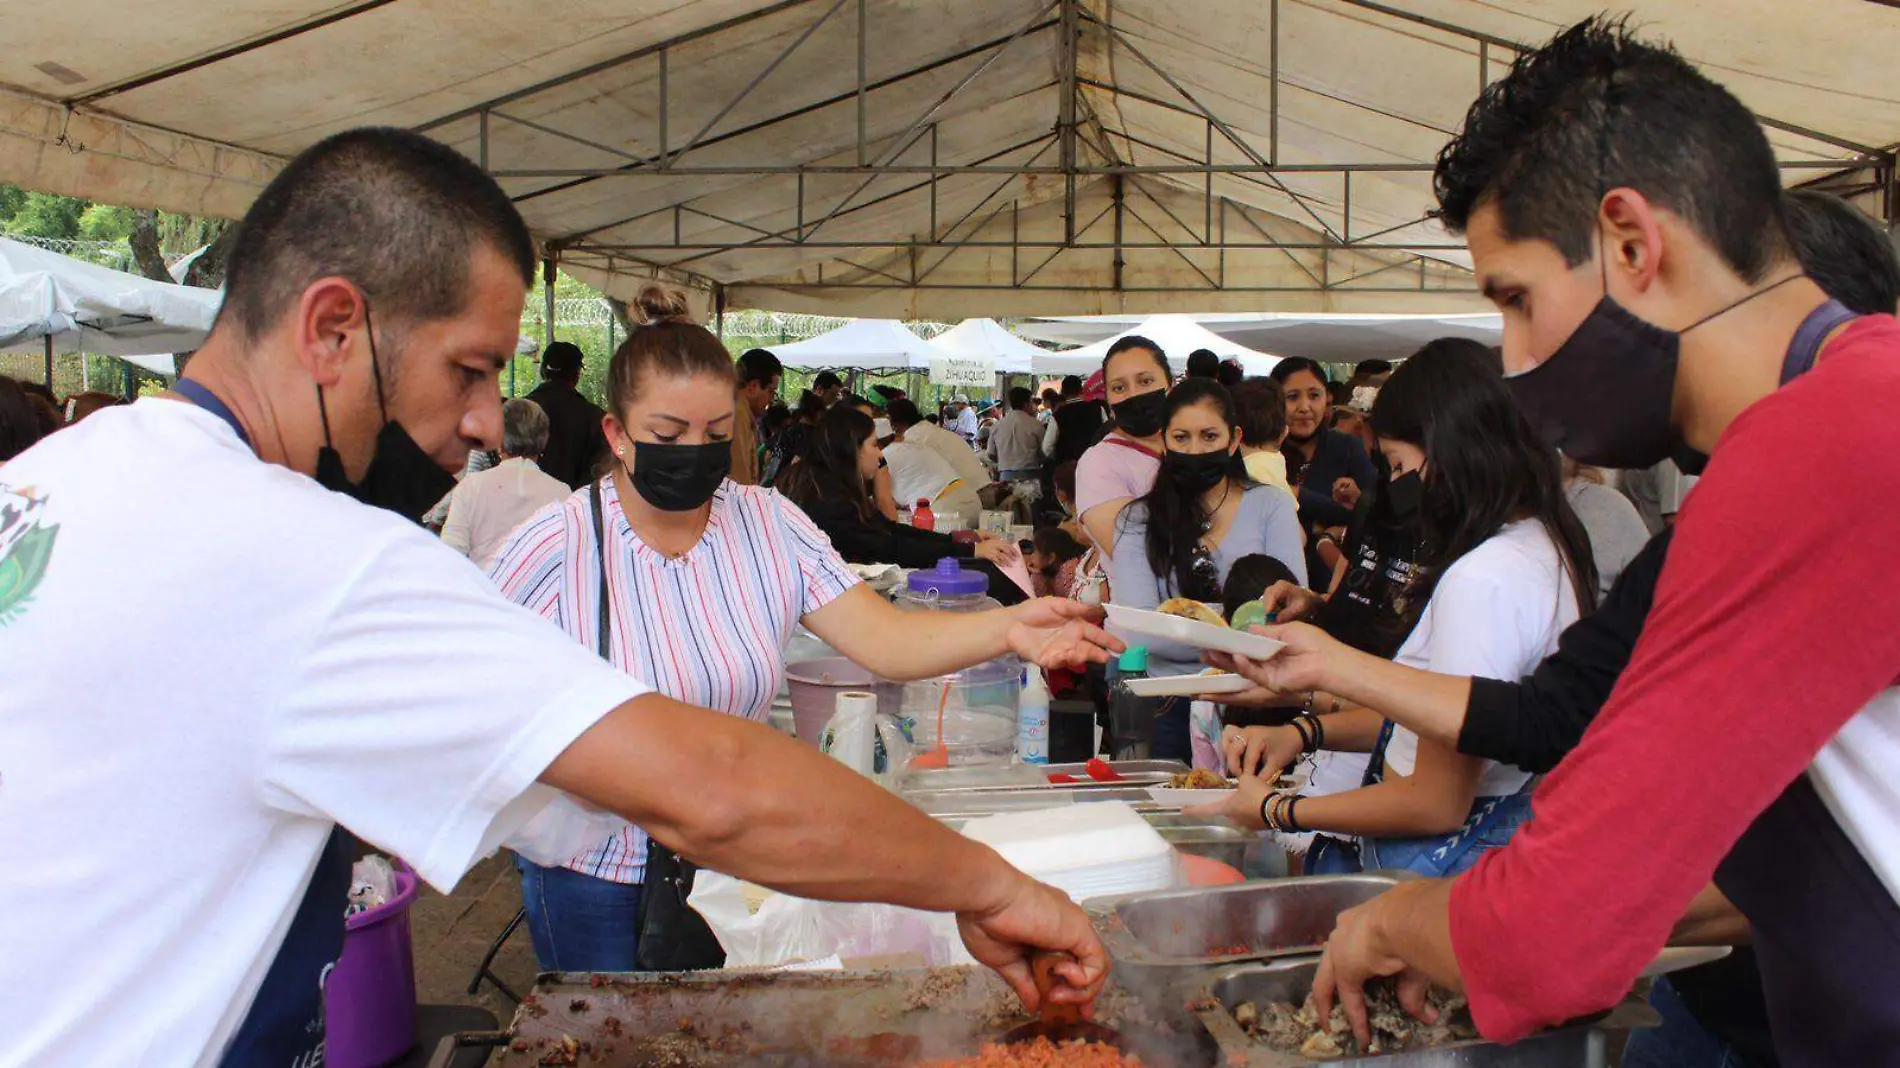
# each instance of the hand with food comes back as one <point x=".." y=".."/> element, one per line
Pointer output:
<point x="1358" y="952"/>
<point x="1287" y="602"/>
<point x="1265" y="751"/>
<point x="1305" y="664"/>
<point x="1242" y="806"/>
<point x="1036" y="918"/>
<point x="1054" y="632"/>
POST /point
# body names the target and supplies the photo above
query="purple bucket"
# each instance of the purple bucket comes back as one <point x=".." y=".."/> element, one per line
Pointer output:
<point x="369" y="999"/>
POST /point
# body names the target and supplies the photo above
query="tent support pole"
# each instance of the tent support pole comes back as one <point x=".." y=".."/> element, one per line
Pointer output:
<point x="49" y="361"/>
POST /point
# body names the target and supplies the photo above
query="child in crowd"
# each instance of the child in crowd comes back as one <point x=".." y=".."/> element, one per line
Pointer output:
<point x="1052" y="559"/>
<point x="1249" y="580"/>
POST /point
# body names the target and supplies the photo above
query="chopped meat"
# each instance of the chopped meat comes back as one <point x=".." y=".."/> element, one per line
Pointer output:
<point x="1043" y="1054"/>
<point x="1199" y="779"/>
<point x="1288" y="1029"/>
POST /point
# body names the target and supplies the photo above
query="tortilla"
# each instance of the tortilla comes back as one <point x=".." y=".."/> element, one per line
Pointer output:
<point x="1188" y="608"/>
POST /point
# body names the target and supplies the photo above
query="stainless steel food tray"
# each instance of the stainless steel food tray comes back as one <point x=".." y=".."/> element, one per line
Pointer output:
<point x="1581" y="1046"/>
<point x="1188" y="931"/>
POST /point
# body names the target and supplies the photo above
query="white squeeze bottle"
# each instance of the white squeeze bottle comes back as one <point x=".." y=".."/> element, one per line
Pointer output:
<point x="1032" y="719"/>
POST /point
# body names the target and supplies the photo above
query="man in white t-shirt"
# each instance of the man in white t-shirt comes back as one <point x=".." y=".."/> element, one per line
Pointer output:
<point x="300" y="662"/>
<point x="919" y="467"/>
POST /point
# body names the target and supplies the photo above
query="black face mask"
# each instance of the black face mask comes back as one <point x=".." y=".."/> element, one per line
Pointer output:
<point x="1143" y="416"/>
<point x="1194" y="473"/>
<point x="1604" y="398"/>
<point x="401" y="477"/>
<point x="1403" y="495"/>
<point x="679" y="478"/>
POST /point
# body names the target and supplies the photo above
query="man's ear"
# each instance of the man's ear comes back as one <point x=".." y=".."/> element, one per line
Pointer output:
<point x="330" y="317"/>
<point x="1631" y="237"/>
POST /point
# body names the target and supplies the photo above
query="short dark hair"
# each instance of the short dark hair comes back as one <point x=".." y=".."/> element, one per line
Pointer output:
<point x="1595" y="110"/>
<point x="1261" y="410"/>
<point x="1130" y="344"/>
<point x="1051" y="397"/>
<point x="1203" y="363"/>
<point x="903" y="413"/>
<point x="1231" y="373"/>
<point x="1843" y="251"/>
<point x="1020" y="398"/>
<point x="1293" y="365"/>
<point x="392" y="211"/>
<point x="1072" y="385"/>
<point x="1250" y="578"/>
<point x="25" y="418"/>
<point x="826" y="380"/>
<point x="1369" y="368"/>
<point x="759" y="365"/>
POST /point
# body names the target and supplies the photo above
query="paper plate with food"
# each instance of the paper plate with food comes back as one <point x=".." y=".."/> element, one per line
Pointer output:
<point x="1190" y="622"/>
<point x="1197" y="787"/>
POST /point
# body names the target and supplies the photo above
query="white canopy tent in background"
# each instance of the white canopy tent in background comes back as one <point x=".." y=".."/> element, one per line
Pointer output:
<point x="988" y="339"/>
<point x="905" y="159"/>
<point x="859" y="345"/>
<point x="1327" y="338"/>
<point x="85" y="308"/>
<point x="1178" y="335"/>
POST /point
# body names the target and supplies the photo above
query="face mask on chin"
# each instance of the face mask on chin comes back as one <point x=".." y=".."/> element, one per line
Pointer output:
<point x="401" y="477"/>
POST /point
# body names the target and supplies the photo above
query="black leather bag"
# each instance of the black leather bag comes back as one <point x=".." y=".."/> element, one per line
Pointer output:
<point x="673" y="937"/>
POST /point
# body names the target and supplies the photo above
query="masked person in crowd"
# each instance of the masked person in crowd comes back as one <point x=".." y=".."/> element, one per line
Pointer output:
<point x="1121" y="466"/>
<point x="575" y="444"/>
<point x="487" y="506"/>
<point x="702" y="574"/>
<point x="1727" y="748"/>
<point x="1334" y="468"/>
<point x="1181" y="537"/>
<point x="309" y="659"/>
<point x="1507" y="567"/>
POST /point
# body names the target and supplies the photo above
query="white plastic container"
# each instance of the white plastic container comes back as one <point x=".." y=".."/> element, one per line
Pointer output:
<point x="1086" y="851"/>
<point x="1032" y="719"/>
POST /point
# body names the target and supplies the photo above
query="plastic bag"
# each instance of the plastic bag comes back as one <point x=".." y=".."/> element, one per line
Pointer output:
<point x="763" y="929"/>
<point x="564" y="828"/>
<point x="372" y="884"/>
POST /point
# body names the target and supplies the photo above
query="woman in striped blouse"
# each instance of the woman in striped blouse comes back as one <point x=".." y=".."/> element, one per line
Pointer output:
<point x="705" y="581"/>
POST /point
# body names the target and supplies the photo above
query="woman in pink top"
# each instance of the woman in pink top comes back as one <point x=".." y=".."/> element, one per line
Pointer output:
<point x="705" y="582"/>
<point x="1122" y="466"/>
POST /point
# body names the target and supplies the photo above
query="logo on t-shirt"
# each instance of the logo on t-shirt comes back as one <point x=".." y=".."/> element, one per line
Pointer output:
<point x="26" y="544"/>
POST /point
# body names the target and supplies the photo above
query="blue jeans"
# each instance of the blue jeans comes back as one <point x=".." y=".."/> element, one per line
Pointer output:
<point x="1492" y="823"/>
<point x="1681" y="1041"/>
<point x="580" y="923"/>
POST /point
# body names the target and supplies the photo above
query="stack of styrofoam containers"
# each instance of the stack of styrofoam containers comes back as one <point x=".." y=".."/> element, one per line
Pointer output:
<point x="1085" y="850"/>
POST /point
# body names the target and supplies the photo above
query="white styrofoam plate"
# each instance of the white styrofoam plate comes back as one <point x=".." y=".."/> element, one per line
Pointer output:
<point x="1186" y="685"/>
<point x="1191" y="632"/>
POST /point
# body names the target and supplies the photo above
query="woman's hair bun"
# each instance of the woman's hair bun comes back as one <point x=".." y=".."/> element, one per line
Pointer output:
<point x="657" y="305"/>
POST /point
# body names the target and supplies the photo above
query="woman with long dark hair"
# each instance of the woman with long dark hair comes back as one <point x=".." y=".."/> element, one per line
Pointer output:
<point x="831" y="483"/>
<point x="1334" y="468"/>
<point x="1505" y="567"/>
<point x="1181" y="538"/>
<point x="1121" y="466"/>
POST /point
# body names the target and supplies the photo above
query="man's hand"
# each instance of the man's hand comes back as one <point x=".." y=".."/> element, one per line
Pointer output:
<point x="1038" y="918"/>
<point x="1286" y="602"/>
<point x="1357" y="952"/>
<point x="1346" y="492"/>
<point x="1305" y="664"/>
<point x="1054" y="632"/>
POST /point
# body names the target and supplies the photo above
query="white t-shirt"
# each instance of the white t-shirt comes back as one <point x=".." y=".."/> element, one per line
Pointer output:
<point x="210" y="661"/>
<point x="954" y="450"/>
<point x="1496" y="613"/>
<point x="917" y="473"/>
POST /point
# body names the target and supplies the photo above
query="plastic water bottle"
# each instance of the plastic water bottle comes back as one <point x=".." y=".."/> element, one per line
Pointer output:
<point x="922" y="517"/>
<point x="1131" y="718"/>
<point x="1032" y="719"/>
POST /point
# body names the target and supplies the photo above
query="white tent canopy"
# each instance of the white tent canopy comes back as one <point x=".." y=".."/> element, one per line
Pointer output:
<point x="87" y="308"/>
<point x="859" y="345"/>
<point x="1327" y="338"/>
<point x="1177" y="335"/>
<point x="987" y="339"/>
<point x="903" y="159"/>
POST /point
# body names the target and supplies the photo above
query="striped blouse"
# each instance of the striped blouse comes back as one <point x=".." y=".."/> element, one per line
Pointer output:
<point x="708" y="628"/>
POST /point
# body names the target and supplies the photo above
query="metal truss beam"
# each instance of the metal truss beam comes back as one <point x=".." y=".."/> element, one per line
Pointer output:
<point x="1026" y="243"/>
<point x="953" y="169"/>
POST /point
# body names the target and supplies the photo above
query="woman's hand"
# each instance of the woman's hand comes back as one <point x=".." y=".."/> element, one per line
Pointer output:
<point x="1264" y="751"/>
<point x="1242" y="806"/>
<point x="1054" y="632"/>
<point x="1305" y="664"/>
<point x="1286" y="602"/>
<point x="998" y="551"/>
<point x="1346" y="492"/>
